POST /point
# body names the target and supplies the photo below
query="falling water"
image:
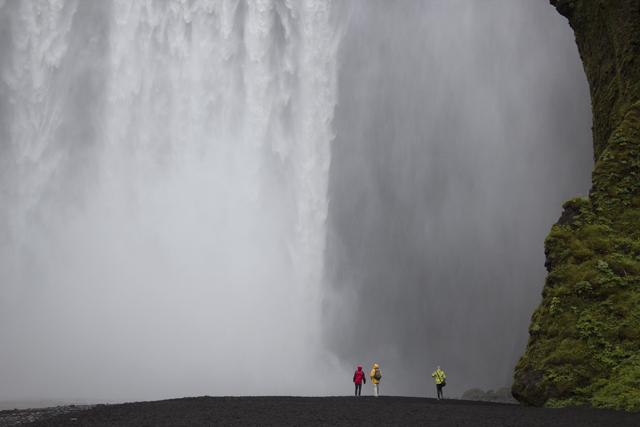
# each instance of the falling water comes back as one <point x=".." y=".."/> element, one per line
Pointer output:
<point x="164" y="195"/>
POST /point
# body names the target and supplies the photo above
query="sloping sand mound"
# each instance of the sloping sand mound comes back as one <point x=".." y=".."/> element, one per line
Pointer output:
<point x="334" y="411"/>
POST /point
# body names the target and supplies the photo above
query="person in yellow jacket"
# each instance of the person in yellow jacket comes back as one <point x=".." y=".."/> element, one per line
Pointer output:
<point x="440" y="381"/>
<point x="375" y="379"/>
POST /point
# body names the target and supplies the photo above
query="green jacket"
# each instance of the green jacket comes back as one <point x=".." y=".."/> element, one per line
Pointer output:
<point x="440" y="376"/>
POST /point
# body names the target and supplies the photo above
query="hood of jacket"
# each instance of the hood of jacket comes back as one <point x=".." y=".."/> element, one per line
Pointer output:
<point x="375" y="366"/>
<point x="359" y="368"/>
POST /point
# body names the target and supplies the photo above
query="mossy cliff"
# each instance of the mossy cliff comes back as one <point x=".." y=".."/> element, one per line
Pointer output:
<point x="584" y="338"/>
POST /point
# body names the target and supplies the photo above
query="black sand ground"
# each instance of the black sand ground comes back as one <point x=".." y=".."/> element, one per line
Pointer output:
<point x="330" y="411"/>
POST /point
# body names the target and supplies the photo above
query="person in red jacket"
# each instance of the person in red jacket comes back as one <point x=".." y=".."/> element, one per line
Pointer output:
<point x="358" y="379"/>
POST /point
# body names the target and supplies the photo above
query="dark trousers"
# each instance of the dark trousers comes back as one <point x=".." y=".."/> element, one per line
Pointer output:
<point x="358" y="389"/>
<point x="439" y="387"/>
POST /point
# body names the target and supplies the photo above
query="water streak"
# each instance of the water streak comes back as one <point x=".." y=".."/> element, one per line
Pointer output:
<point x="165" y="193"/>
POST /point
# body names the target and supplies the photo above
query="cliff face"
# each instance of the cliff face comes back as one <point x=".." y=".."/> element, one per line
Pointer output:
<point x="608" y="38"/>
<point x="584" y="343"/>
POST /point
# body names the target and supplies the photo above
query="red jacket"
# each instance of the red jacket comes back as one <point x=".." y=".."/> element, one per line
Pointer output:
<point x="359" y="377"/>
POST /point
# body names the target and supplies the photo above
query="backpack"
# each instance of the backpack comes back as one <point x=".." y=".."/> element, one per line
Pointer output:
<point x="377" y="375"/>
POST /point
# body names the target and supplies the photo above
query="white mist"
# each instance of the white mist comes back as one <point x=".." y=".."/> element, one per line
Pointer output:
<point x="182" y="252"/>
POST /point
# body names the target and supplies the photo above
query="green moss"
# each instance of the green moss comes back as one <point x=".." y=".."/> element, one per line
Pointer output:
<point x="587" y="327"/>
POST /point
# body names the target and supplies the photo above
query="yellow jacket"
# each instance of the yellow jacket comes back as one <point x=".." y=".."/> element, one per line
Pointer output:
<point x="440" y="376"/>
<point x="373" y="372"/>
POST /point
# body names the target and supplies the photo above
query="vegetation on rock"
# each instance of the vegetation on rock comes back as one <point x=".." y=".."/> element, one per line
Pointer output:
<point x="584" y="338"/>
<point x="502" y="395"/>
<point x="472" y="394"/>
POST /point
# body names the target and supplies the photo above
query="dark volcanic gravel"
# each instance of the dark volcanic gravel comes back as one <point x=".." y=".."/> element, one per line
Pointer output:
<point x="333" y="411"/>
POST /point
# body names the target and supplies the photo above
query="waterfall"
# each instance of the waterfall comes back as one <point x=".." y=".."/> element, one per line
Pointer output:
<point x="164" y="195"/>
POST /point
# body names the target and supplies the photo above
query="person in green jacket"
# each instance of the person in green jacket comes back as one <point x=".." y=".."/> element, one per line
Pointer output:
<point x="440" y="381"/>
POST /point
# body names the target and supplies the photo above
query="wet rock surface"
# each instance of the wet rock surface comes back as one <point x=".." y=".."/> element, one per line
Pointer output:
<point x="316" y="411"/>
